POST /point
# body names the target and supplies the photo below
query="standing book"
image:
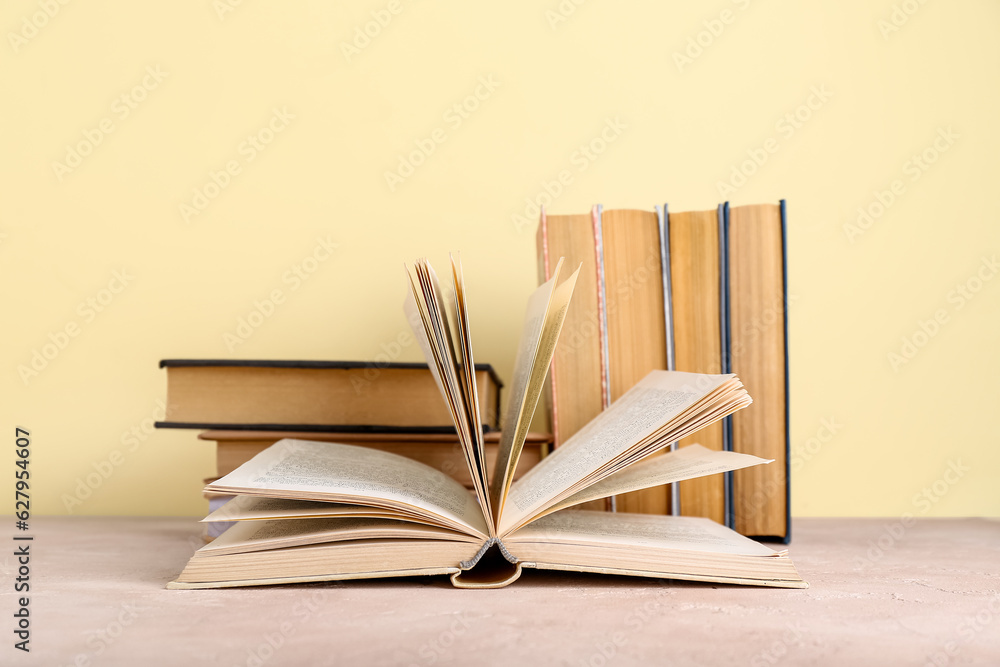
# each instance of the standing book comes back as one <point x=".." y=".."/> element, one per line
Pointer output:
<point x="758" y="352"/>
<point x="577" y="386"/>
<point x="634" y="317"/>
<point x="696" y="280"/>
<point x="325" y="511"/>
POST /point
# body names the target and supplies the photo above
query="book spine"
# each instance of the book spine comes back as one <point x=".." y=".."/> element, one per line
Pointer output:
<point x="668" y="316"/>
<point x="543" y="245"/>
<point x="663" y="218"/>
<point x="602" y="308"/>
<point x="788" y="430"/>
<point x="727" y="365"/>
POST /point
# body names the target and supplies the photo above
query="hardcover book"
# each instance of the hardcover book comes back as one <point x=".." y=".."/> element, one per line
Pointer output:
<point x="323" y="511"/>
<point x="316" y="396"/>
<point x="758" y="352"/>
<point x="633" y="318"/>
<point x="697" y="333"/>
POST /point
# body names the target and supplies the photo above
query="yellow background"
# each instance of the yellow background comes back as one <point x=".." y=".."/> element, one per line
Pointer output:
<point x="897" y="430"/>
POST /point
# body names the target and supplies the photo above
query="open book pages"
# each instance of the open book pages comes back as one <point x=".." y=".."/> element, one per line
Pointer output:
<point x="328" y="481"/>
<point x="662" y="408"/>
<point x="311" y="511"/>
<point x="300" y="470"/>
<point x="248" y="536"/>
<point x="262" y="508"/>
<point x="270" y="552"/>
<point x="440" y="323"/>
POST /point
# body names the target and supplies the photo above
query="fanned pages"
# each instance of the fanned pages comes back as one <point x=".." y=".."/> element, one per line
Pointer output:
<point x="254" y="508"/>
<point x="468" y="369"/>
<point x="347" y="474"/>
<point x="662" y="408"/>
<point x="687" y="463"/>
<point x="319" y="511"/>
<point x="542" y="324"/>
<point x="456" y="379"/>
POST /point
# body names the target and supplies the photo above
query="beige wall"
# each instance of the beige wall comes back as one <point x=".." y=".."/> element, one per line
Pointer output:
<point x="169" y="94"/>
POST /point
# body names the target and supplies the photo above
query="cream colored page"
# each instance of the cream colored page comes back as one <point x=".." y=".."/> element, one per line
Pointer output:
<point x="468" y="377"/>
<point x="685" y="463"/>
<point x="429" y="329"/>
<point x="421" y="320"/>
<point x="263" y="535"/>
<point x="429" y="318"/>
<point x="640" y="412"/>
<point x="710" y="410"/>
<point x="554" y="318"/>
<point x="684" y="533"/>
<point x="413" y="316"/>
<point x="543" y="320"/>
<point x="347" y="473"/>
<point x="461" y="313"/>
<point x="252" y="508"/>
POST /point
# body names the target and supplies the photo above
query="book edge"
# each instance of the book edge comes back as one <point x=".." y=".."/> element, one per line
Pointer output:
<point x="312" y="365"/>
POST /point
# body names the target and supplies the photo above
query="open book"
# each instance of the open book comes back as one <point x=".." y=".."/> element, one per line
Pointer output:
<point x="315" y="511"/>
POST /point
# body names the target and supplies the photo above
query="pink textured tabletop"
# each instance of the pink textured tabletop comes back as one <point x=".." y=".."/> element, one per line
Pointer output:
<point x="881" y="594"/>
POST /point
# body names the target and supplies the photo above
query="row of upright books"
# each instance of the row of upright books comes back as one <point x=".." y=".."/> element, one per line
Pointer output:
<point x="699" y="291"/>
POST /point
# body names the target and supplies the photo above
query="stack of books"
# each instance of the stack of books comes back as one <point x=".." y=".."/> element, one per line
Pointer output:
<point x="698" y="291"/>
<point x="244" y="407"/>
<point x="315" y="511"/>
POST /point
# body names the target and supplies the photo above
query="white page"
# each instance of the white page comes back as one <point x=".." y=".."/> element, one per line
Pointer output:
<point x="544" y="316"/>
<point x="256" y="508"/>
<point x="264" y="535"/>
<point x="447" y="354"/>
<point x="687" y="462"/>
<point x="345" y="473"/>
<point x="685" y="533"/>
<point x="642" y="411"/>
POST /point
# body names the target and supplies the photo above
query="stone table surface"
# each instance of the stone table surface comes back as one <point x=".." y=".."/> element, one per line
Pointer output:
<point x="881" y="593"/>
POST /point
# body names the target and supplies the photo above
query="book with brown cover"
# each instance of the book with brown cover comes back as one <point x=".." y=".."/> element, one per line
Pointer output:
<point x="758" y="352"/>
<point x="576" y="388"/>
<point x="634" y="303"/>
<point x="314" y="396"/>
<point x="696" y="315"/>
